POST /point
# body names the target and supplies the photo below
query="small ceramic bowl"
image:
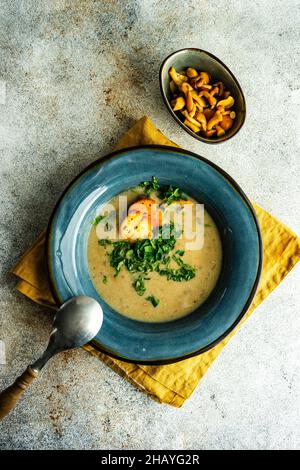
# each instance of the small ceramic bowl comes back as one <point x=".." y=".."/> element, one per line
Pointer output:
<point x="205" y="61"/>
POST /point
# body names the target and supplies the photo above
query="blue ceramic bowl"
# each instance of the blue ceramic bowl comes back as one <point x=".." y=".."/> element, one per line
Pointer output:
<point x="153" y="343"/>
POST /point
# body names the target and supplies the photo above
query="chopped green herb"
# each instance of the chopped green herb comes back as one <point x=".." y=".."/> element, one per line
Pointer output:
<point x="150" y="186"/>
<point x="168" y="194"/>
<point x="143" y="256"/>
<point x="180" y="252"/>
<point x="104" y="242"/>
<point x="146" y="256"/>
<point x="98" y="219"/>
<point x="139" y="285"/>
<point x="155" y="255"/>
<point x="153" y="300"/>
<point x="129" y="254"/>
<point x="104" y="279"/>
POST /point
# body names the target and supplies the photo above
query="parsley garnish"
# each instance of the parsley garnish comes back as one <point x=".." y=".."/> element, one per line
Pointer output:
<point x="98" y="219"/>
<point x="185" y="272"/>
<point x="145" y="256"/>
<point x="104" y="279"/>
<point x="155" y="255"/>
<point x="153" y="300"/>
<point x="171" y="194"/>
<point x="180" y="252"/>
<point x="139" y="285"/>
<point x="168" y="194"/>
<point x="150" y="186"/>
<point x="108" y="227"/>
<point x="103" y="242"/>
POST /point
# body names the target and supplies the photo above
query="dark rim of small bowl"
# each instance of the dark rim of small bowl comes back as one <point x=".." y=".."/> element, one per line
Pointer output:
<point x="116" y="153"/>
<point x="223" y="138"/>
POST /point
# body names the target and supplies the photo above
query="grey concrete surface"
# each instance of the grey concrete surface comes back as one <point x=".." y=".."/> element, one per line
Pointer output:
<point x="77" y="74"/>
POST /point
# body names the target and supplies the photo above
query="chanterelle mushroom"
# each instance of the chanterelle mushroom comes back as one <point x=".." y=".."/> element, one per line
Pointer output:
<point x="196" y="98"/>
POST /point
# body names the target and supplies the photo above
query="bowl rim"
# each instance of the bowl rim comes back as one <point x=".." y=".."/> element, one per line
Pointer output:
<point x="200" y="138"/>
<point x="97" y="345"/>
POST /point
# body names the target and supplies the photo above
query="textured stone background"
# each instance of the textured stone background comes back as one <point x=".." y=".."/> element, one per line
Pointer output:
<point x="77" y="75"/>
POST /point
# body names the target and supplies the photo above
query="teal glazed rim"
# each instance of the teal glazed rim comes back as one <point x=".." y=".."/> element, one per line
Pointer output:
<point x="52" y="233"/>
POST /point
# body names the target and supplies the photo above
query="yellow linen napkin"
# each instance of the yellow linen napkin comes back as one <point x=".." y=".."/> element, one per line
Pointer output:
<point x="172" y="383"/>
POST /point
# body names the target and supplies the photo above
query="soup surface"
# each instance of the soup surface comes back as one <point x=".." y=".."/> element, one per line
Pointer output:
<point x="155" y="296"/>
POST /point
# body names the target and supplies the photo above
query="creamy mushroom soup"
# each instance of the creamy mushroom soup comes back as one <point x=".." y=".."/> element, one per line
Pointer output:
<point x="145" y="270"/>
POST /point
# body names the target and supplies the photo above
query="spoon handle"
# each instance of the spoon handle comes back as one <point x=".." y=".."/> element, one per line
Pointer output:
<point x="11" y="395"/>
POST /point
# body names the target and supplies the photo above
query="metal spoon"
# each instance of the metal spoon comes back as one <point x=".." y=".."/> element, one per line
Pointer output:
<point x="76" y="322"/>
